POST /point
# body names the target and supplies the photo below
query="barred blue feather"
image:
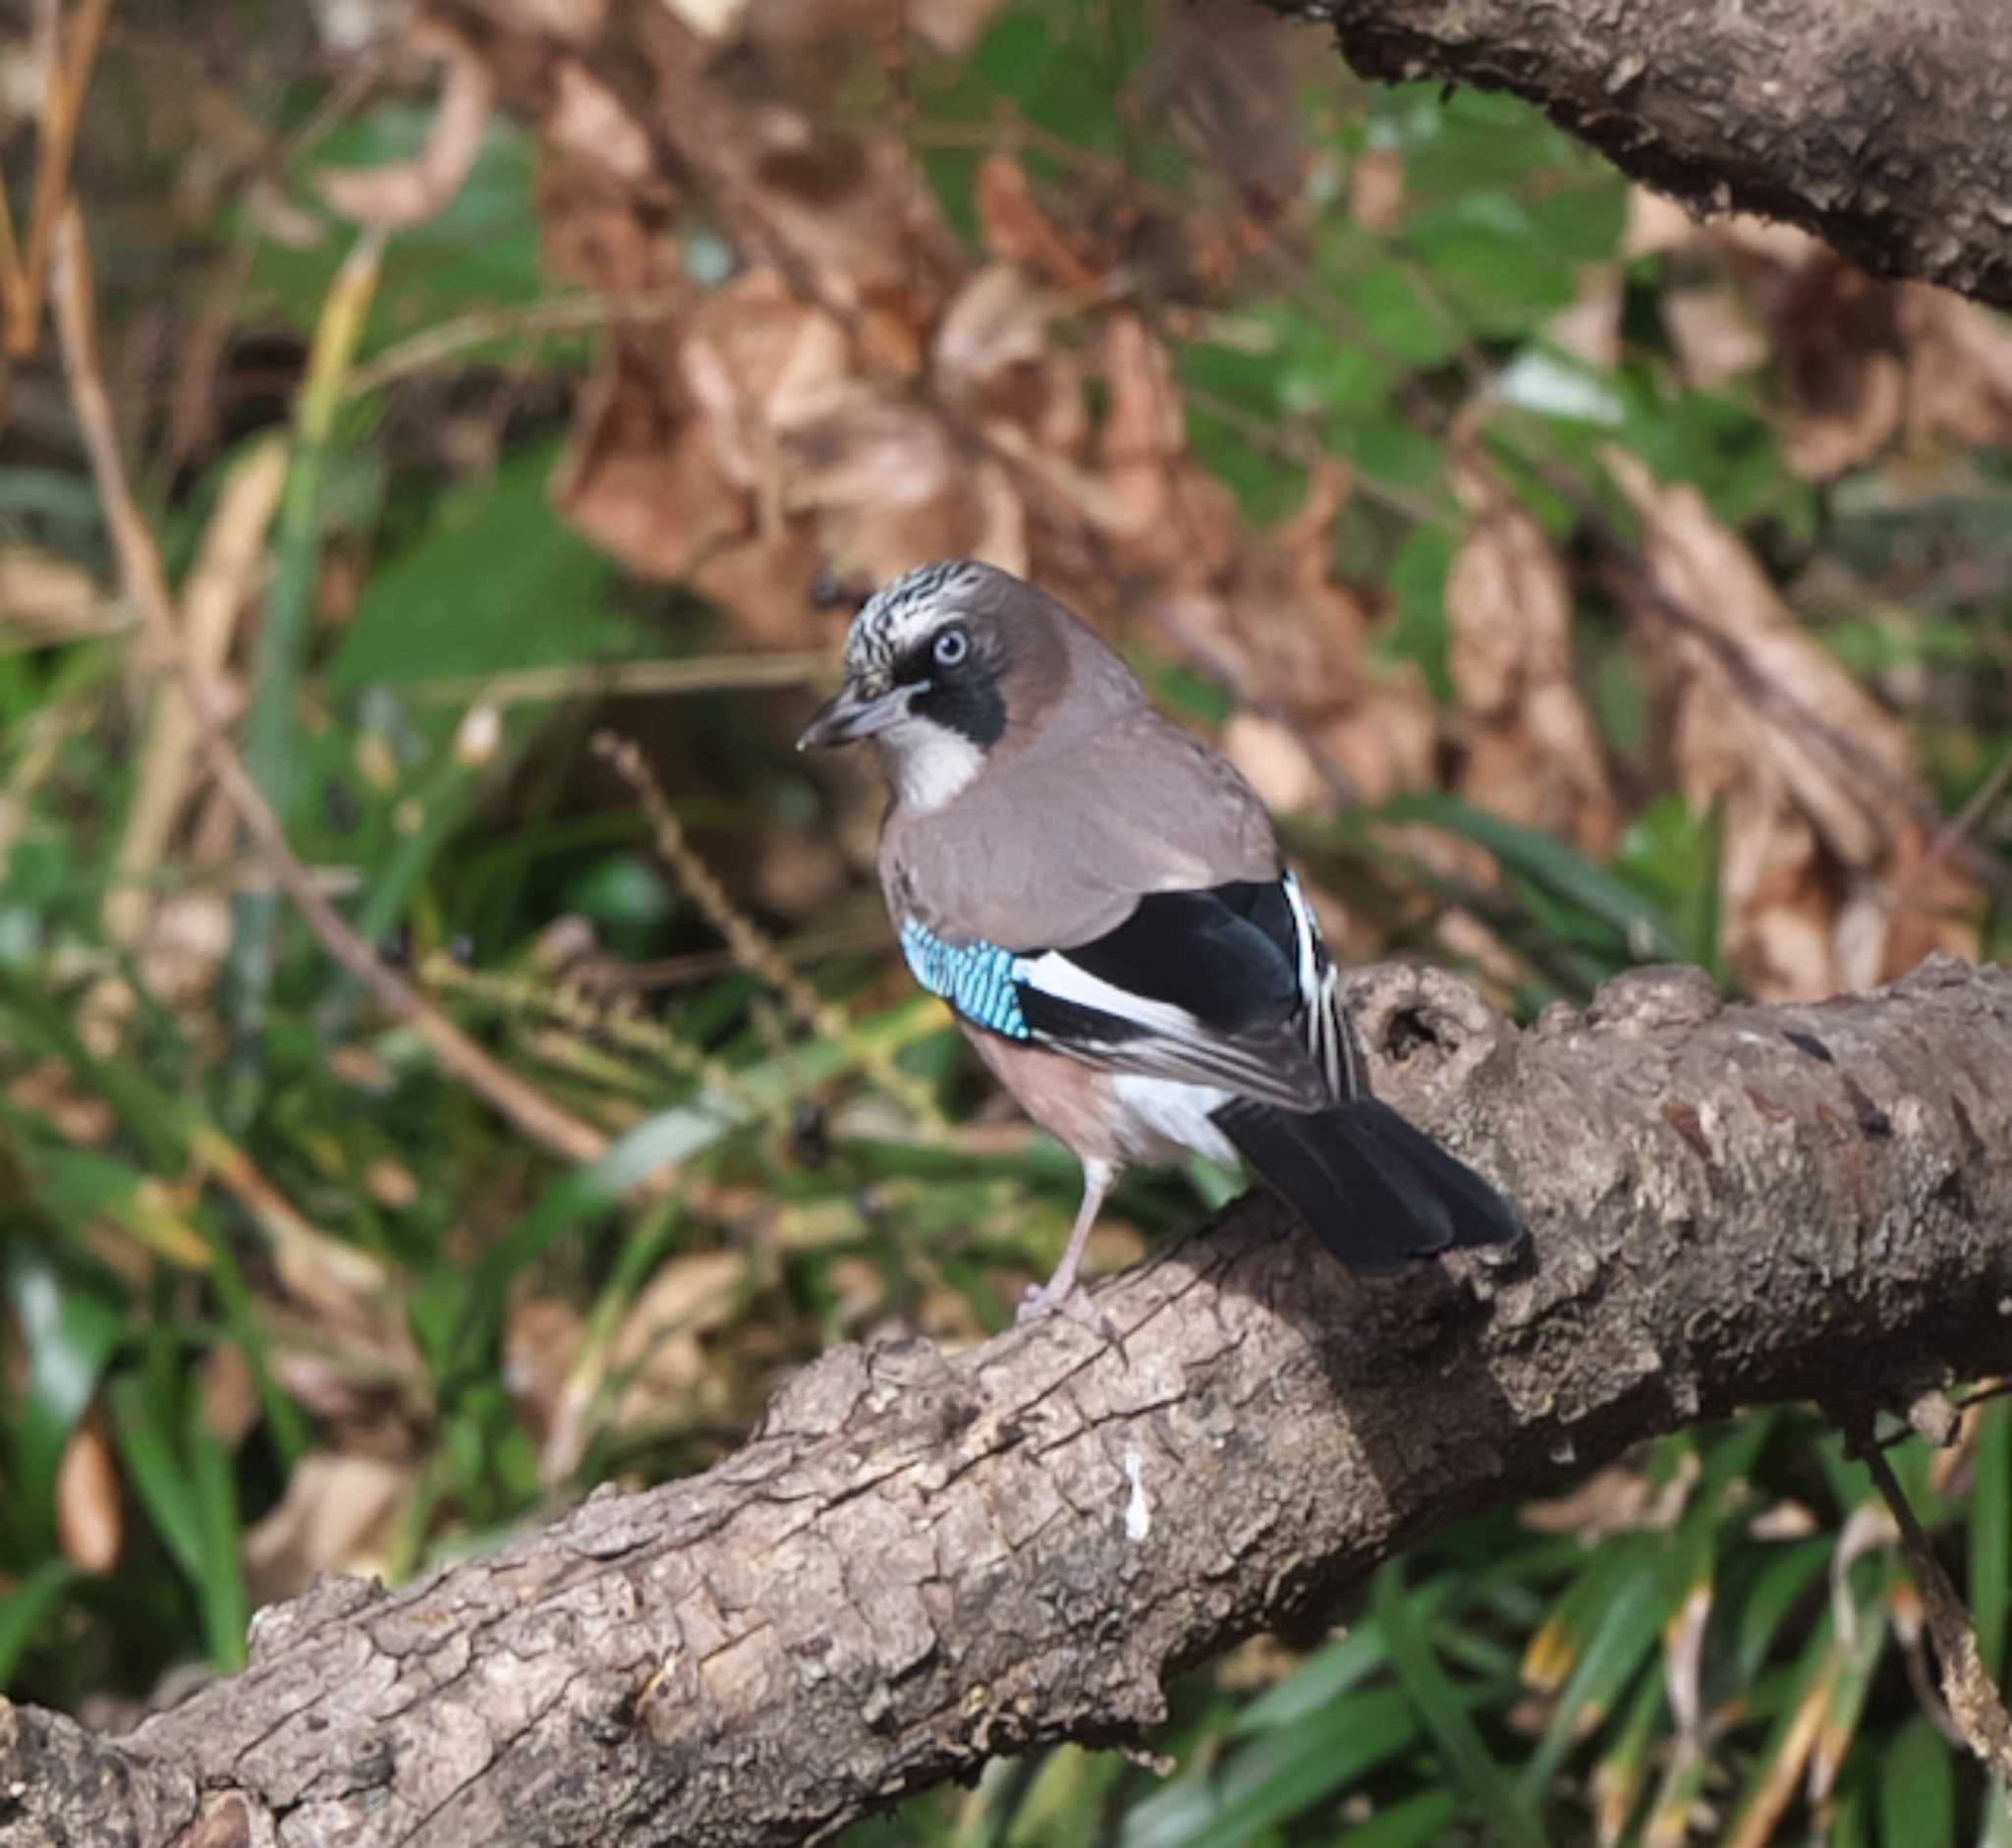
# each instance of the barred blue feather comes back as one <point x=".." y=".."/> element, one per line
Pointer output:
<point x="979" y="979"/>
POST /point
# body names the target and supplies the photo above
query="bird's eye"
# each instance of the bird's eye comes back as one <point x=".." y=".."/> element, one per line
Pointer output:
<point x="950" y="648"/>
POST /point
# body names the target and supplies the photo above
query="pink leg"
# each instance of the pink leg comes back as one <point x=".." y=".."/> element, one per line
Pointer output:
<point x="1061" y="1291"/>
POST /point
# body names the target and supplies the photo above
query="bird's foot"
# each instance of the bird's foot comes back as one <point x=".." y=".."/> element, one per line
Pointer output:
<point x="1043" y="1300"/>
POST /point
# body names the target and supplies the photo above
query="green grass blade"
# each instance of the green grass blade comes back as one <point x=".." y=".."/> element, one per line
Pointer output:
<point x="1990" y="1535"/>
<point x="156" y="1471"/>
<point x="1780" y="1587"/>
<point x="226" y="1603"/>
<point x="70" y="1332"/>
<point x="664" y="1140"/>
<point x="1443" y="1714"/>
<point x="26" y="1608"/>
<point x="1626" y="1636"/>
<point x="1646" y="928"/>
<point x="1419" y="1822"/>
<point x="271" y="743"/>
<point x="1996" y="1829"/>
<point x="1622" y="1776"/>
<point x="1918" y="1788"/>
<point x="1278" y="1776"/>
<point x="1325" y="1676"/>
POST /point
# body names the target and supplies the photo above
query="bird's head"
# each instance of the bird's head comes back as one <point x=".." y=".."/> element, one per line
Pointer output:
<point x="931" y="669"/>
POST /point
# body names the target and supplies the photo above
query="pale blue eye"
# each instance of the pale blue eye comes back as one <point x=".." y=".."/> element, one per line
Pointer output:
<point x="950" y="648"/>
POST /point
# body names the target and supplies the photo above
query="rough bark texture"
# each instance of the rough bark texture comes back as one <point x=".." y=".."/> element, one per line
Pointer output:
<point x="1881" y="125"/>
<point x="921" y="1560"/>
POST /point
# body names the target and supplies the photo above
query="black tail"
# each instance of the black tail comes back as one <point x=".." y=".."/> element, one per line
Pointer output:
<point x="1372" y="1188"/>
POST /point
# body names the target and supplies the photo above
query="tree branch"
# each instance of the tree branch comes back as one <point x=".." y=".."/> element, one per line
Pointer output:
<point x="922" y="1560"/>
<point x="1879" y="125"/>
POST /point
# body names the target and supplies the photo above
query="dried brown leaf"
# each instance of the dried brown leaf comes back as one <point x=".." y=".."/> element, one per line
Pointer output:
<point x="660" y="1346"/>
<point x="1959" y="375"/>
<point x="1589" y="330"/>
<point x="642" y="475"/>
<point x="1275" y="760"/>
<point x="90" y="1512"/>
<point x="1534" y="755"/>
<point x="541" y="1340"/>
<point x="337" y="1515"/>
<point x="408" y="192"/>
<point x="1376" y="191"/>
<point x="45" y="599"/>
<point x="1716" y="334"/>
<point x="1815" y="779"/>
<point x="231" y="1403"/>
<point x="1018" y="229"/>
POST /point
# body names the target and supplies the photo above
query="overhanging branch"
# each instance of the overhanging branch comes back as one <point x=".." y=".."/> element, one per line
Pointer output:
<point x="922" y="1560"/>
<point x="1879" y="125"/>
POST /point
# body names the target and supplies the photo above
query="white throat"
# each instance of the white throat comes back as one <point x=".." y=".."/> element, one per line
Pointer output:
<point x="928" y="764"/>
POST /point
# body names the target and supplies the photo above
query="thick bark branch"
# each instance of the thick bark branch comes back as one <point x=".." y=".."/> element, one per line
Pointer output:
<point x="1879" y="125"/>
<point x="922" y="1560"/>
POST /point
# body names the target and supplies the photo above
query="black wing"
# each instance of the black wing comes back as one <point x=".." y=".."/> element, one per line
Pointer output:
<point x="1230" y="986"/>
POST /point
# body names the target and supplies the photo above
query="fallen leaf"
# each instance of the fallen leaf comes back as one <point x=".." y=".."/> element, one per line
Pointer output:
<point x="45" y="599"/>
<point x="659" y="1350"/>
<point x="1814" y="780"/>
<point x="1535" y="753"/>
<point x="90" y="1512"/>
<point x="1716" y="337"/>
<point x="337" y="1515"/>
<point x="1017" y="229"/>
<point x="406" y="193"/>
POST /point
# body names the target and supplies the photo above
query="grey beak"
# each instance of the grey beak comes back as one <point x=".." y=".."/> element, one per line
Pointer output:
<point x="855" y="714"/>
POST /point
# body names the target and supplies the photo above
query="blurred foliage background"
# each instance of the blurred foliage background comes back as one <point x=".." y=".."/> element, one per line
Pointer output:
<point x="1582" y="584"/>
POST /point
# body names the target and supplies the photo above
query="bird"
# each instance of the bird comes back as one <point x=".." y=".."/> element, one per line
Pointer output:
<point x="1099" y="896"/>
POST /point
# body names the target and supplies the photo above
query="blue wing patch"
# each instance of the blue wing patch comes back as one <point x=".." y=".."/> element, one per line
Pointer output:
<point x="979" y="979"/>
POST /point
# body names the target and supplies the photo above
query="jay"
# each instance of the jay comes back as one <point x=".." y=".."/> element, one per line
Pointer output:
<point x="1100" y="897"/>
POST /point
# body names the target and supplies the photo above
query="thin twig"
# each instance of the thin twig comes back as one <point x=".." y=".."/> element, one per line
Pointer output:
<point x="146" y="584"/>
<point x="1974" y="1701"/>
<point x="69" y="77"/>
<point x="711" y="673"/>
<point x="612" y="976"/>
<point x="752" y="947"/>
<point x="1971" y="816"/>
<point x="568" y="314"/>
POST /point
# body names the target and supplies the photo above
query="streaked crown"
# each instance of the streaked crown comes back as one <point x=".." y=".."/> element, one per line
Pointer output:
<point x="894" y="620"/>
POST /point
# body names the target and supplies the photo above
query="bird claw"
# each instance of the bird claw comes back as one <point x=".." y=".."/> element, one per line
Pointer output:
<point x="1040" y="1301"/>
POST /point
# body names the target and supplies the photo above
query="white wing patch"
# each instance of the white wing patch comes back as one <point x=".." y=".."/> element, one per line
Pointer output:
<point x="1328" y="1037"/>
<point x="1052" y="972"/>
<point x="1171" y="1043"/>
<point x="1301" y="1064"/>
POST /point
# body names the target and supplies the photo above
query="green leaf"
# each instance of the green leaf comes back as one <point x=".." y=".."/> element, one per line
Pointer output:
<point x="499" y="582"/>
<point x="1401" y="324"/>
<point x="1582" y="222"/>
<point x="70" y="1332"/>
<point x="1419" y="1821"/>
<point x="220" y="1577"/>
<point x="1325" y="1676"/>
<point x="154" y="1467"/>
<point x="1422" y="632"/>
<point x="1277" y="1776"/>
<point x="1990" y="1535"/>
<point x="1443" y="1711"/>
<point x="663" y="1141"/>
<point x="1645" y="931"/>
<point x="1782" y="1585"/>
<point x="1492" y="273"/>
<point x="1996" y="1831"/>
<point x="1629" y="1624"/>
<point x="480" y="251"/>
<point x="27" y="1607"/>
<point x="1918" y="1788"/>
